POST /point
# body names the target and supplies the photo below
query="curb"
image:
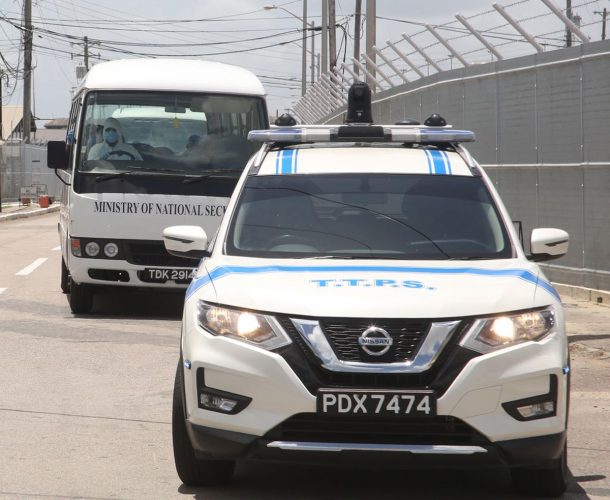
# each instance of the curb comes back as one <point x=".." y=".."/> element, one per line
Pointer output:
<point x="601" y="297"/>
<point x="29" y="213"/>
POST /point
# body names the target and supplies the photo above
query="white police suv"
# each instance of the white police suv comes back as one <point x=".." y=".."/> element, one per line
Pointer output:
<point x="367" y="300"/>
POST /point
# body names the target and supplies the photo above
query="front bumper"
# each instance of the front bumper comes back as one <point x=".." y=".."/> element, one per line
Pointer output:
<point x="470" y="400"/>
<point x="213" y="443"/>
<point x="116" y="272"/>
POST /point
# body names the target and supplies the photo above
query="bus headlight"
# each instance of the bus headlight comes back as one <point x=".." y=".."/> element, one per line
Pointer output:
<point x="489" y="334"/>
<point x="111" y="250"/>
<point x="255" y="329"/>
<point x="92" y="249"/>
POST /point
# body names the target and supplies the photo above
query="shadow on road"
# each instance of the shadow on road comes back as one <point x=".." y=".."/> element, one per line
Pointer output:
<point x="263" y="481"/>
<point x="581" y="338"/>
<point x="119" y="303"/>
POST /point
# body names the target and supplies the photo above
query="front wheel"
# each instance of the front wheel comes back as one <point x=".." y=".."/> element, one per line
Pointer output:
<point x="548" y="482"/>
<point x="193" y="471"/>
<point x="81" y="298"/>
<point x="65" y="277"/>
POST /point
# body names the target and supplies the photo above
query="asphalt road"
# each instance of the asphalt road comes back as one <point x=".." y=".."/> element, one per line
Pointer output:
<point x="85" y="401"/>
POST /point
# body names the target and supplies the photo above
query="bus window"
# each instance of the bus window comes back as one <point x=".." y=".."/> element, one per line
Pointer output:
<point x="167" y="131"/>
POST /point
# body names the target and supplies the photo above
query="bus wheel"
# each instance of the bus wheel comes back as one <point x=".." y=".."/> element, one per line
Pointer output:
<point x="81" y="298"/>
<point x="65" y="277"/>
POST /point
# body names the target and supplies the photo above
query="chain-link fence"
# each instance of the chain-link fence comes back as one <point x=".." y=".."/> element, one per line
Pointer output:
<point x="24" y="175"/>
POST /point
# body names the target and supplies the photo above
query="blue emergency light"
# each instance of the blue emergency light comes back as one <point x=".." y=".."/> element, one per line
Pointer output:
<point x="372" y="133"/>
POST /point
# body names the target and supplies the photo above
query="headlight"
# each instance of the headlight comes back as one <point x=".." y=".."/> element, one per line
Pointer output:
<point x="489" y="334"/>
<point x="92" y="249"/>
<point x="256" y="329"/>
<point x="111" y="250"/>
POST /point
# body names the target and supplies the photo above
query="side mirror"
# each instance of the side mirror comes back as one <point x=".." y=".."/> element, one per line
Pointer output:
<point x="57" y="155"/>
<point x="190" y="242"/>
<point x="548" y="244"/>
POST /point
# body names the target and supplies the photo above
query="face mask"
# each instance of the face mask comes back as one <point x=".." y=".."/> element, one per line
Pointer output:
<point x="111" y="136"/>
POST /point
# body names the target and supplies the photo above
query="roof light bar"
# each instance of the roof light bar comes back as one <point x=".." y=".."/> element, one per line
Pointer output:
<point x="398" y="133"/>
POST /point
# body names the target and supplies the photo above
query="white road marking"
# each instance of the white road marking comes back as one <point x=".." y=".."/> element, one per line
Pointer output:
<point x="2" y="290"/>
<point x="27" y="270"/>
<point x="56" y="249"/>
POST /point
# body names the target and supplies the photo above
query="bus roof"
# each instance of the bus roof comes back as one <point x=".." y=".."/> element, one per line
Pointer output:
<point x="179" y="75"/>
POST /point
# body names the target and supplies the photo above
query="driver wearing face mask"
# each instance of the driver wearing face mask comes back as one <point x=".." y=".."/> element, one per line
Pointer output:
<point x="113" y="146"/>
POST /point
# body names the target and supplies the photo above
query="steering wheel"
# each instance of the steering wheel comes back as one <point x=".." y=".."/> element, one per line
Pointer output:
<point x="287" y="239"/>
<point x="118" y="152"/>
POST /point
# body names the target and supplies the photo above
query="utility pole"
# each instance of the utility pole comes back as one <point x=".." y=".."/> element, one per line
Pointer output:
<point x="324" y="36"/>
<point x="357" y="23"/>
<point x="604" y="14"/>
<point x="304" y="51"/>
<point x="371" y="38"/>
<point x="569" y="14"/>
<point x="312" y="27"/>
<point x="1" y="134"/>
<point x="86" y="54"/>
<point x="27" y="71"/>
<point x="1" y="124"/>
<point x="332" y="35"/>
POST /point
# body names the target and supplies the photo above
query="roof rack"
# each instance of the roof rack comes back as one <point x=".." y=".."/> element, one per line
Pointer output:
<point x="362" y="133"/>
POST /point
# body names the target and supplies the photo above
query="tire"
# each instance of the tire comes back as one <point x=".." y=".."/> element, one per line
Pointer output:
<point x="65" y="277"/>
<point x="548" y="482"/>
<point x="81" y="298"/>
<point x="193" y="471"/>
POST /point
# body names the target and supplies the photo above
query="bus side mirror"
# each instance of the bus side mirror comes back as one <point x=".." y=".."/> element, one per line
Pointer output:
<point x="548" y="243"/>
<point x="190" y="242"/>
<point x="57" y="155"/>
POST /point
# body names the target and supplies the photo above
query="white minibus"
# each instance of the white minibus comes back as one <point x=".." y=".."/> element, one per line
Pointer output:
<point x="151" y="143"/>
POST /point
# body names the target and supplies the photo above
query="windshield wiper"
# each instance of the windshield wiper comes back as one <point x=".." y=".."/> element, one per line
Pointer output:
<point x="218" y="173"/>
<point x="115" y="175"/>
<point x="352" y="257"/>
<point x="323" y="257"/>
<point x="135" y="170"/>
<point x="474" y="257"/>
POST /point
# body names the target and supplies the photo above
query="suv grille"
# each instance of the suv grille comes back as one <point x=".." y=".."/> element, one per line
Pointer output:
<point x="310" y="427"/>
<point x="153" y="253"/>
<point x="313" y="375"/>
<point x="344" y="333"/>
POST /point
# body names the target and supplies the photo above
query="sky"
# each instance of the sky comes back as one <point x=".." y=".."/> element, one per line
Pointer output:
<point x="244" y="33"/>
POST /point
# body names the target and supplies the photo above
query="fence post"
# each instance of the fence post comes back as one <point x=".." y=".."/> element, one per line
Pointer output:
<point x="518" y="27"/>
<point x="405" y="58"/>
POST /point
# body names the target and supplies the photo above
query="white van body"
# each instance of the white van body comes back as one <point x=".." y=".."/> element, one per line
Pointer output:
<point x="182" y="145"/>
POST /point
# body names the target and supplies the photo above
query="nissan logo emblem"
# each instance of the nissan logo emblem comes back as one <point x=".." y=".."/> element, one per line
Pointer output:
<point x="375" y="341"/>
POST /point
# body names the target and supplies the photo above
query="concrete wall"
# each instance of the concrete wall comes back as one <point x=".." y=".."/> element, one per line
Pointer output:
<point x="543" y="135"/>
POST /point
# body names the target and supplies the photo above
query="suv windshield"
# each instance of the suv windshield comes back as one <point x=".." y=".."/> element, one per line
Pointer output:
<point x="367" y="216"/>
<point x="167" y="132"/>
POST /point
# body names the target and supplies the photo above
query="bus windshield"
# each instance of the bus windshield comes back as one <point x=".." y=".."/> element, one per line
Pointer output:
<point x="167" y="132"/>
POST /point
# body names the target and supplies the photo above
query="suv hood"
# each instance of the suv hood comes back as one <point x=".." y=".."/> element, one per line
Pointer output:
<point x="381" y="289"/>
